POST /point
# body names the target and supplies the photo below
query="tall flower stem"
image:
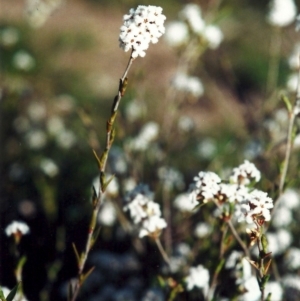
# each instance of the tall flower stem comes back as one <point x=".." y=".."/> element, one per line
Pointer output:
<point x="97" y="199"/>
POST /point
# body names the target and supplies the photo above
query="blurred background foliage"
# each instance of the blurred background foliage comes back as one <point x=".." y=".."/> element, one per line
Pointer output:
<point x="57" y="84"/>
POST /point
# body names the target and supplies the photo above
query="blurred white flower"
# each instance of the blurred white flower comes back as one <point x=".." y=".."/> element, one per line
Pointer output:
<point x="279" y="241"/>
<point x="292" y="259"/>
<point x="9" y="36"/>
<point x="21" y="124"/>
<point x="141" y="27"/>
<point x="290" y="199"/>
<point x="152" y="226"/>
<point x="55" y="125"/>
<point x="281" y="217"/>
<point x="185" y="203"/>
<point x="37" y="12"/>
<point x="49" y="167"/>
<point x="36" y="139"/>
<point x="188" y="84"/>
<point x="36" y="111"/>
<point x="244" y="173"/>
<point x="291" y="281"/>
<point x="108" y="214"/>
<point x="192" y="14"/>
<point x="177" y="33"/>
<point x="293" y="60"/>
<point x="202" y="230"/>
<point x="148" y="134"/>
<point x="282" y="12"/>
<point x="16" y="227"/>
<point x="207" y="148"/>
<point x="171" y="178"/>
<point x="186" y="123"/>
<point x="134" y="110"/>
<point x="253" y="291"/>
<point x="275" y="289"/>
<point x="64" y="103"/>
<point x="22" y="60"/>
<point x="66" y="139"/>
<point x="213" y="36"/>
<point x="129" y="184"/>
<point x="198" y="277"/>
<point x="233" y="259"/>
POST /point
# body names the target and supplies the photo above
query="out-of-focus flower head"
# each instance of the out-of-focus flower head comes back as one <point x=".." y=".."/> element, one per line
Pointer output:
<point x="245" y="173"/>
<point x="188" y="84"/>
<point x="185" y="203"/>
<point x="17" y="229"/>
<point x="282" y="12"/>
<point x="141" y="27"/>
<point x="177" y="33"/>
<point x="171" y="178"/>
<point x="198" y="277"/>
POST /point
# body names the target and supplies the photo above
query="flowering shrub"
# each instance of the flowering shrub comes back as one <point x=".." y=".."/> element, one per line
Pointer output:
<point x="193" y="194"/>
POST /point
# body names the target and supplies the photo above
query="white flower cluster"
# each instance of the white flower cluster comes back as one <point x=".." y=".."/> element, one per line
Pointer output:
<point x="198" y="277"/>
<point x="246" y="172"/>
<point x="249" y="206"/>
<point x="145" y="213"/>
<point x="178" y="33"/>
<point x="16" y="228"/>
<point x="141" y="27"/>
<point x="282" y="12"/>
<point x="188" y="84"/>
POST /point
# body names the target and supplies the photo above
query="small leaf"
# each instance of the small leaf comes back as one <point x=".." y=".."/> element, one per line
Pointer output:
<point x="76" y="253"/>
<point x="268" y="266"/>
<point x="107" y="183"/>
<point x="86" y="275"/>
<point x="2" y="298"/>
<point x="12" y="293"/>
<point x="264" y="243"/>
<point x="287" y="102"/>
<point x="97" y="158"/>
<point x="95" y="236"/>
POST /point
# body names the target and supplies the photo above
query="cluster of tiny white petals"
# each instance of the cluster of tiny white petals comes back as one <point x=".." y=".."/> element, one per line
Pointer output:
<point x="141" y="27"/>
<point x="246" y="172"/>
<point x="282" y="12"/>
<point x="198" y="277"/>
<point x="144" y="212"/>
<point x="192" y="14"/>
<point x="257" y="206"/>
<point x="185" y="203"/>
<point x="206" y="186"/>
<point x="16" y="227"/>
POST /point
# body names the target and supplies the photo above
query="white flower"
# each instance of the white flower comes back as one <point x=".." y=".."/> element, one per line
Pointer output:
<point x="207" y="148"/>
<point x="152" y="226"/>
<point x="141" y="27"/>
<point x="108" y="214"/>
<point x="135" y="110"/>
<point x="298" y="23"/>
<point x="188" y="84"/>
<point x="37" y="111"/>
<point x="257" y="206"/>
<point x="292" y="82"/>
<point x="206" y="186"/>
<point x="36" y="139"/>
<point x="49" y="167"/>
<point x="253" y="291"/>
<point x="213" y="35"/>
<point x="9" y="36"/>
<point x="282" y="217"/>
<point x="198" y="277"/>
<point x="282" y="12"/>
<point x="202" y="230"/>
<point x="294" y="58"/>
<point x="21" y="124"/>
<point x="22" y="60"/>
<point x="279" y="241"/>
<point x="275" y="289"/>
<point x="244" y="173"/>
<point x="185" y="123"/>
<point x="17" y="228"/>
<point x="170" y="177"/>
<point x="185" y="203"/>
<point x="55" y="125"/>
<point x="290" y="199"/>
<point x="192" y="14"/>
<point x="292" y="259"/>
<point x="291" y="281"/>
<point x="66" y="139"/>
<point x="177" y="33"/>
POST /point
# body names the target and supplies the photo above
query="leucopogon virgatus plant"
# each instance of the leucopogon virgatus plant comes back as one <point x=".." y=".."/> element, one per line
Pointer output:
<point x="231" y="254"/>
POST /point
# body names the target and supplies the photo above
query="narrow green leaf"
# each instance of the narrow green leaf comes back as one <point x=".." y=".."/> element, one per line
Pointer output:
<point x="12" y="293"/>
<point x="97" y="158"/>
<point x="76" y="253"/>
<point x="287" y="102"/>
<point x="107" y="183"/>
<point x="87" y="274"/>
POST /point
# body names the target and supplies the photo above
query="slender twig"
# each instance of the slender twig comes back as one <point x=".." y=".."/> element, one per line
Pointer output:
<point x="102" y="166"/>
